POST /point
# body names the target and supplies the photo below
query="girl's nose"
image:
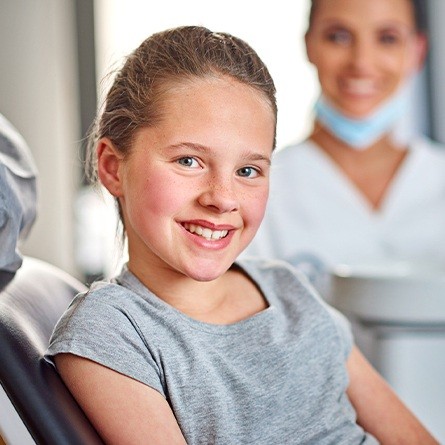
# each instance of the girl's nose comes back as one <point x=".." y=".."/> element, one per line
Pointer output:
<point x="220" y="196"/>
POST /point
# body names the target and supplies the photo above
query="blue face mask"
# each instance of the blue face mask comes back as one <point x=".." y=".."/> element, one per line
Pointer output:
<point x="361" y="133"/>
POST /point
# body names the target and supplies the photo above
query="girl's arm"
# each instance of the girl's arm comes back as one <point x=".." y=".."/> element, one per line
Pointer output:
<point x="379" y="410"/>
<point x="123" y="410"/>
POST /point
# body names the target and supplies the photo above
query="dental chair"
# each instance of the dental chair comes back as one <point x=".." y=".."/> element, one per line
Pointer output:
<point x="31" y="302"/>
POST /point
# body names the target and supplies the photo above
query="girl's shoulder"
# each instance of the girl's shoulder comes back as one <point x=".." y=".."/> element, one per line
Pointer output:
<point x="291" y="293"/>
<point x="277" y="278"/>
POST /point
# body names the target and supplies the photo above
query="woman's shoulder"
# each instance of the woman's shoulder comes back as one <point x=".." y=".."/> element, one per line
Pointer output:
<point x="297" y="162"/>
<point x="294" y="150"/>
<point x="429" y="148"/>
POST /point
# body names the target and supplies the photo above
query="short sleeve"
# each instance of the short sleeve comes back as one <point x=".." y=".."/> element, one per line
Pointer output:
<point x="106" y="334"/>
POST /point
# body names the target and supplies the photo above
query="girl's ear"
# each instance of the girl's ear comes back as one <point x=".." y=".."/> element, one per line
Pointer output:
<point x="109" y="162"/>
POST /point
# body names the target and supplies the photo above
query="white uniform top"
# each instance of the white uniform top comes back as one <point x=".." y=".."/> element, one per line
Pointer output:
<point x="314" y="209"/>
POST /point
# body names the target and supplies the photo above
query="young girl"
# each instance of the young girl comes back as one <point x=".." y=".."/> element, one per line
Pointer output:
<point x="186" y="345"/>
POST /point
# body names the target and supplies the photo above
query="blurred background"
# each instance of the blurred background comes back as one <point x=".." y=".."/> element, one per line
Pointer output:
<point x="54" y="54"/>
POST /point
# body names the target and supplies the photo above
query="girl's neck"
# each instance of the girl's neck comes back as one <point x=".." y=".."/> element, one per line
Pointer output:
<point x="230" y="298"/>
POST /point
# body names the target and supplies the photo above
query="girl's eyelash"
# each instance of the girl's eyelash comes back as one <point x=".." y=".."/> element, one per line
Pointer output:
<point x="248" y="171"/>
<point x="187" y="158"/>
<point x="251" y="168"/>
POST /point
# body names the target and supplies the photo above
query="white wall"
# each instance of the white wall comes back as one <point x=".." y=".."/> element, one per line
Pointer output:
<point x="39" y="95"/>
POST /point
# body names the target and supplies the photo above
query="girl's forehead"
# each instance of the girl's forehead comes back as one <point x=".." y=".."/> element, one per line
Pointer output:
<point x="188" y="88"/>
<point x="179" y="85"/>
<point x="200" y="109"/>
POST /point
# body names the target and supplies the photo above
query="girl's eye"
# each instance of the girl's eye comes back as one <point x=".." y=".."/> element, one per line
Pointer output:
<point x="248" y="172"/>
<point x="188" y="161"/>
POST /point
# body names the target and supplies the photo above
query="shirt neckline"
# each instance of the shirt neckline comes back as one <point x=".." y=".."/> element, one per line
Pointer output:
<point x="131" y="282"/>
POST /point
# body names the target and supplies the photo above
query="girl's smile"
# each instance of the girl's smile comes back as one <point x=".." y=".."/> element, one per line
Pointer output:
<point x="207" y="230"/>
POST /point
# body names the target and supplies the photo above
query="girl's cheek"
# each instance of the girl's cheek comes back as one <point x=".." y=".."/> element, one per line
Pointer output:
<point x="257" y="206"/>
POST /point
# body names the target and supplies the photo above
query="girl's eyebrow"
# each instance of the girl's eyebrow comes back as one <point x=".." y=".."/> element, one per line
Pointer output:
<point x="248" y="155"/>
<point x="189" y="145"/>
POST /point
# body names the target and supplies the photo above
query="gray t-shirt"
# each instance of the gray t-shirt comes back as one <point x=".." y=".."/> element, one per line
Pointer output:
<point x="277" y="377"/>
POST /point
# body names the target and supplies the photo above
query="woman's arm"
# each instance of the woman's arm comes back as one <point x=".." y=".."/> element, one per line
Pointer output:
<point x="379" y="410"/>
<point x="123" y="411"/>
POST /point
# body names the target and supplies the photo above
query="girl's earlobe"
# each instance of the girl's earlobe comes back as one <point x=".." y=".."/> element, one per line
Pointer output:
<point x="109" y="162"/>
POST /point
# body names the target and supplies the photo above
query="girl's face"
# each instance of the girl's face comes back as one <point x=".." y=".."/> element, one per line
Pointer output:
<point x="194" y="188"/>
<point x="363" y="51"/>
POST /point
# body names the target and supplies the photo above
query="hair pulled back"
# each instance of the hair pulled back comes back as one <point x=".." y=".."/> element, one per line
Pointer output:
<point x="134" y="100"/>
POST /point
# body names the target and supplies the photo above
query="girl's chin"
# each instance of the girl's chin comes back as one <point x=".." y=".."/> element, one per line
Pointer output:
<point x="206" y="273"/>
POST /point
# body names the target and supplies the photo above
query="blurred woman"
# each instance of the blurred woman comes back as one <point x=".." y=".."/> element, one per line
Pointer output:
<point x="357" y="190"/>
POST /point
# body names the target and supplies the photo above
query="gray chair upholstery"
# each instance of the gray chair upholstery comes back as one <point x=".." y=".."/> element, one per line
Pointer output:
<point x="31" y="302"/>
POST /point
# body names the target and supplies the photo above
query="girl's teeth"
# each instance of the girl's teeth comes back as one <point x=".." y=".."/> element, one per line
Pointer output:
<point x="205" y="232"/>
<point x="217" y="234"/>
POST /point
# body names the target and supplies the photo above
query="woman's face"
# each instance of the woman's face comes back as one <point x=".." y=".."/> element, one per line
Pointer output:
<point x="364" y="50"/>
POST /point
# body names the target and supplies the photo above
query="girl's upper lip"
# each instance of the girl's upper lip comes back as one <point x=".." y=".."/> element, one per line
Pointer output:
<point x="209" y="224"/>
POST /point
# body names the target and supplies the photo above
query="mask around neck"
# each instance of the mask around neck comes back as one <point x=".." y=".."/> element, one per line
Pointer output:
<point x="359" y="134"/>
